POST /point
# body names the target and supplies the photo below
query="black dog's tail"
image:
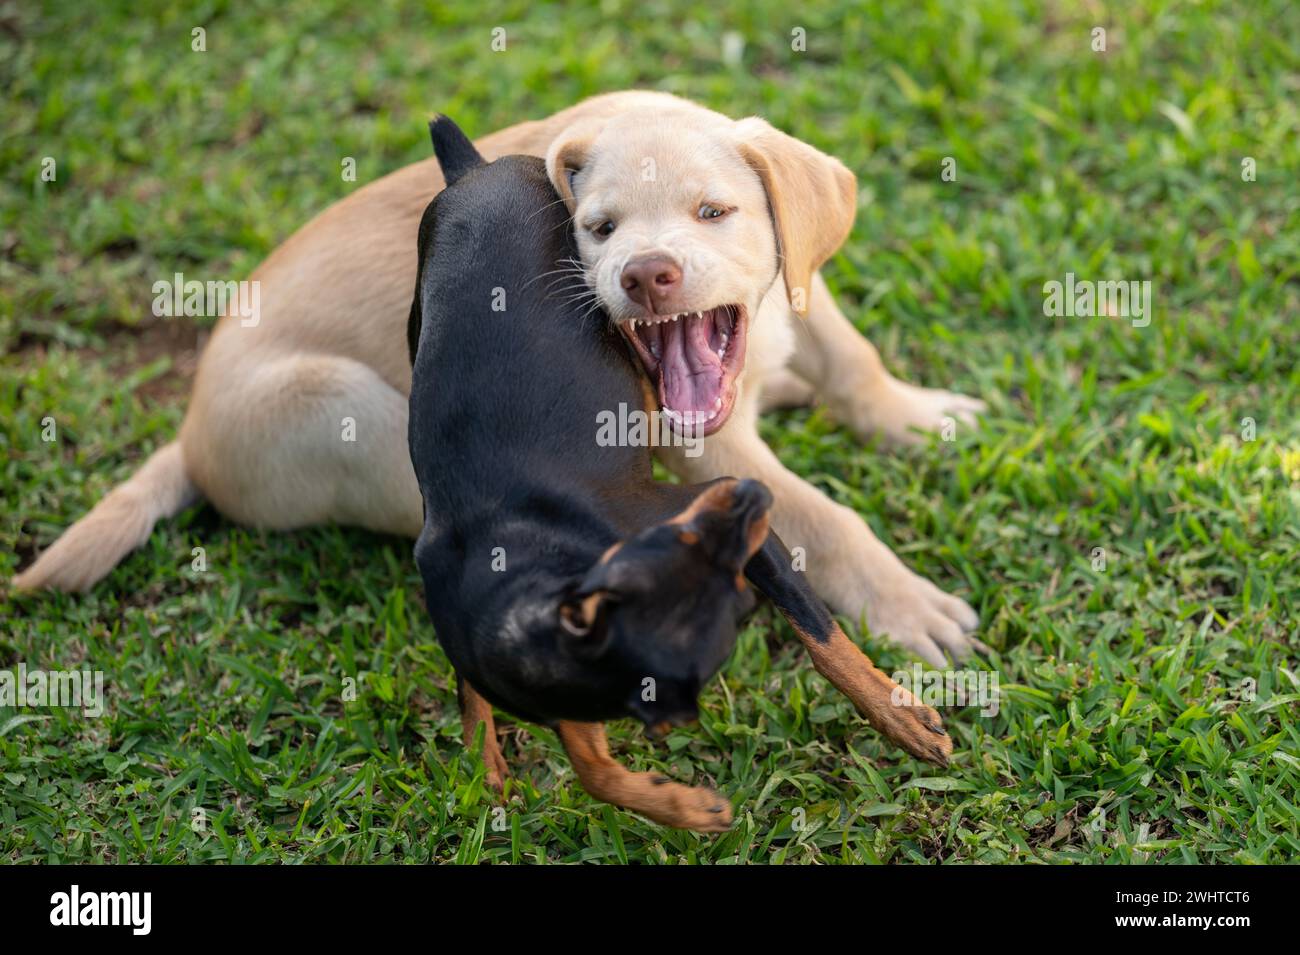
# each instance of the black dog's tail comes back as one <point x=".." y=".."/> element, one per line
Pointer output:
<point x="456" y="154"/>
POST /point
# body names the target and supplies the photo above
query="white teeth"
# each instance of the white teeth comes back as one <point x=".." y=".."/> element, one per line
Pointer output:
<point x="693" y="418"/>
<point x="665" y="319"/>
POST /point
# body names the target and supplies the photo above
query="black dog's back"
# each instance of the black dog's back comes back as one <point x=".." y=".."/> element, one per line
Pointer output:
<point x="518" y="383"/>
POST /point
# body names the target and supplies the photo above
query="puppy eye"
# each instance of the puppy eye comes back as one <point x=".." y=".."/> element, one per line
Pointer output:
<point x="604" y="229"/>
<point x="710" y="211"/>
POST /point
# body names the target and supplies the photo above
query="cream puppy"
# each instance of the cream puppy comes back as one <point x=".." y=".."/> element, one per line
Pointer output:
<point x="700" y="235"/>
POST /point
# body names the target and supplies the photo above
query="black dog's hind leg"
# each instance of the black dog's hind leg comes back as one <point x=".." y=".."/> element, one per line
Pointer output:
<point x="886" y="705"/>
<point x="474" y="710"/>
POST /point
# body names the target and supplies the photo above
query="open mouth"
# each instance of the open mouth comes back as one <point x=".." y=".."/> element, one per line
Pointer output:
<point x="693" y="358"/>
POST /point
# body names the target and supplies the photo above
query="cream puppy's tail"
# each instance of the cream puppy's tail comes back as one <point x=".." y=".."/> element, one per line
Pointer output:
<point x="117" y="525"/>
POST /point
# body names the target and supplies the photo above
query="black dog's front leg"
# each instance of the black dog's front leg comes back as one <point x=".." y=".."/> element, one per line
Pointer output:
<point x="887" y="706"/>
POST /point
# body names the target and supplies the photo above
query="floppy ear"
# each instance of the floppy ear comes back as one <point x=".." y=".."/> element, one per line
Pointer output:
<point x="566" y="156"/>
<point x="456" y="154"/>
<point x="578" y="611"/>
<point x="733" y="515"/>
<point x="813" y="198"/>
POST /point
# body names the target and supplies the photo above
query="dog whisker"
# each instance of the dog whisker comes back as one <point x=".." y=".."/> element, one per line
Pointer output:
<point x="567" y="271"/>
<point x="543" y="209"/>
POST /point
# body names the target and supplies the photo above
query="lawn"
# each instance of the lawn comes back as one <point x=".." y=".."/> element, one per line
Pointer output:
<point x="1125" y="520"/>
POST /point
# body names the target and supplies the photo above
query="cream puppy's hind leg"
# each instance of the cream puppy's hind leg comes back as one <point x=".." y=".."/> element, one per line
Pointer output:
<point x="305" y="439"/>
<point x="859" y="392"/>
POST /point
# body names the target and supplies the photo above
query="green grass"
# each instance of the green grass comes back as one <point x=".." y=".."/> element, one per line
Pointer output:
<point x="1121" y="687"/>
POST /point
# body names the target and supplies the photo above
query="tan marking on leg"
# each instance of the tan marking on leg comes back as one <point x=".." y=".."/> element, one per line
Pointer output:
<point x="474" y="710"/>
<point x="650" y="794"/>
<point x="886" y="705"/>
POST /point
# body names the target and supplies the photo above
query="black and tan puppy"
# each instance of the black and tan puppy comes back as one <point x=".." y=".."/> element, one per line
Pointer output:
<point x="564" y="583"/>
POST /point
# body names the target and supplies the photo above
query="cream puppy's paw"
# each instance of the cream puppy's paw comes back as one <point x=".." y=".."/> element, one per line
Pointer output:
<point x="920" y="617"/>
<point x="902" y="414"/>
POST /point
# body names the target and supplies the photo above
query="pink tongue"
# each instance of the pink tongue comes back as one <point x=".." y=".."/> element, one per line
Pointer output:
<point x="690" y="372"/>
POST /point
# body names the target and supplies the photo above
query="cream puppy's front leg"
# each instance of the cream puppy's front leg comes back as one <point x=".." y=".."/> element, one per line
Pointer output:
<point x="852" y="380"/>
<point x="846" y="563"/>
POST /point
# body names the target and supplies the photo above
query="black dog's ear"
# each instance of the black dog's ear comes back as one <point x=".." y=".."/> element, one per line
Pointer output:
<point x="580" y="612"/>
<point x="456" y="154"/>
<point x="583" y="620"/>
<point x="731" y="519"/>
